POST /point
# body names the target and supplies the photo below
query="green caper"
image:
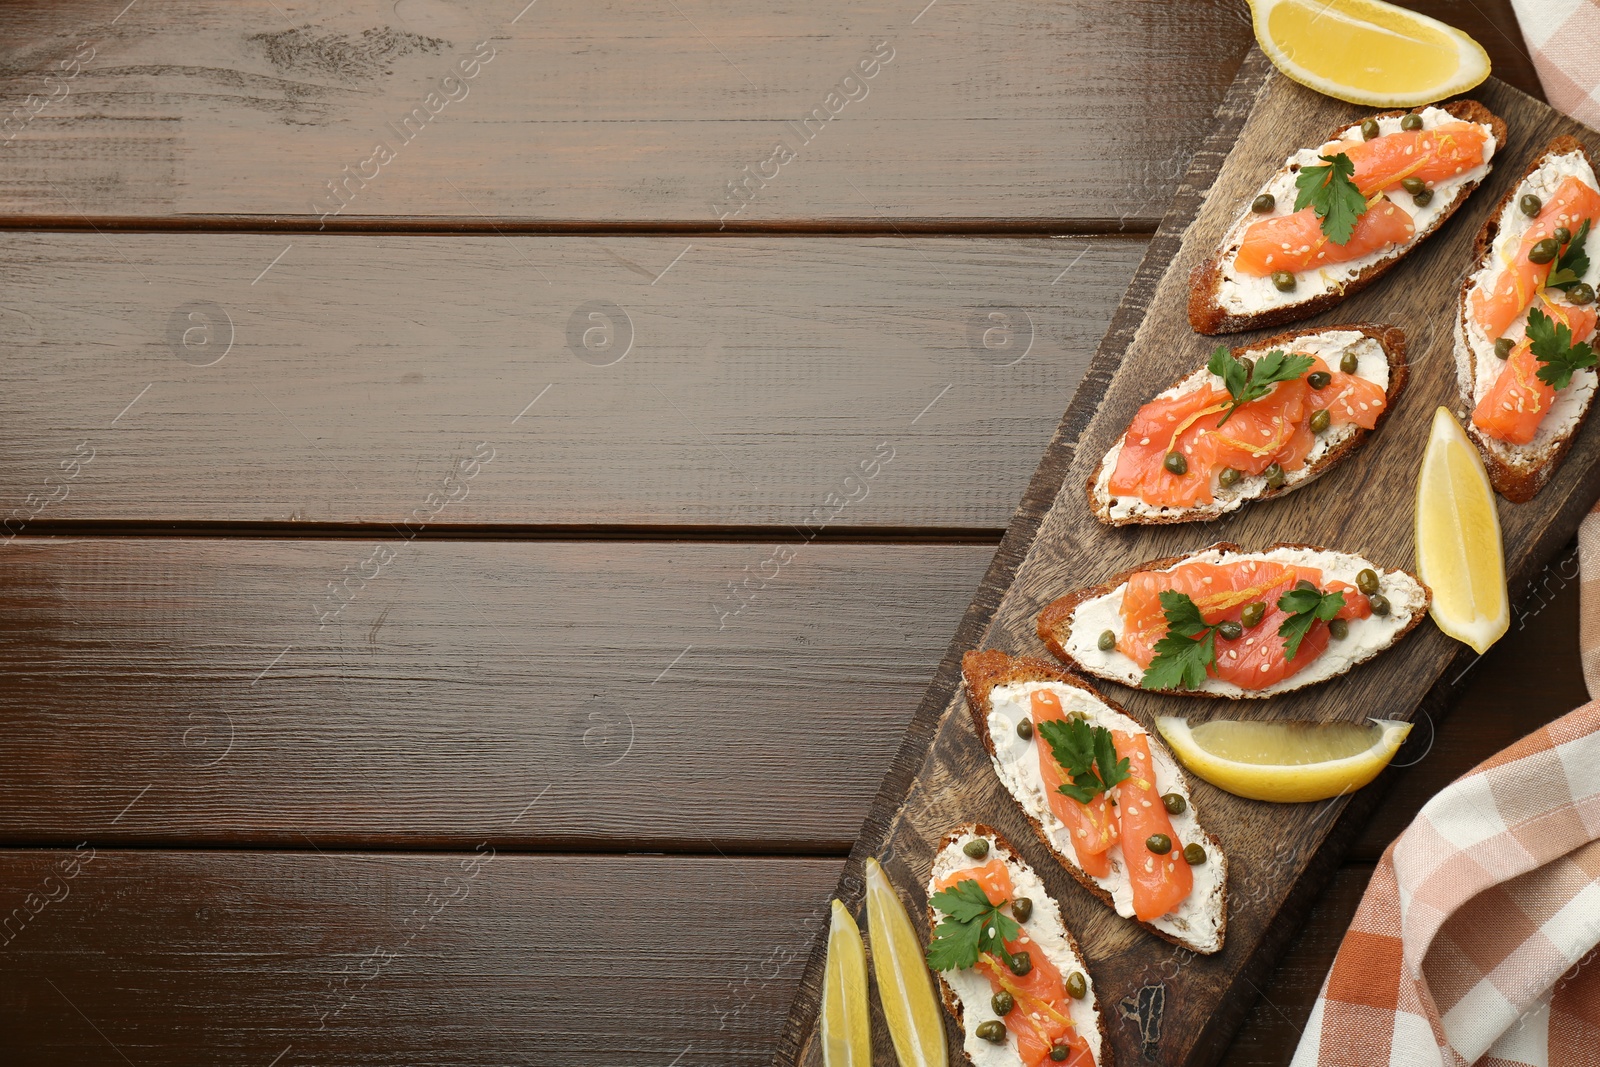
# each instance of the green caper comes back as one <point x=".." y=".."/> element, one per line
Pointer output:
<point x="1107" y="642"/>
<point x="1582" y="293"/>
<point x="1379" y="604"/>
<point x="1531" y="205"/>
<point x="1253" y="613"/>
<point x="1412" y="121"/>
<point x="1059" y="1053"/>
<point x="1175" y="463"/>
<point x="1002" y="1002"/>
<point x="977" y="848"/>
<point x="992" y="1030"/>
<point x="1174" y="803"/>
<point x="1422" y="199"/>
<point x="1077" y="985"/>
<point x="1367" y="581"/>
<point x="1503" y="347"/>
<point x="1283" y="281"/>
<point x="1544" y="251"/>
<point x="1562" y="235"/>
<point x="1248" y="364"/>
<point x="1020" y="963"/>
<point x="1338" y="629"/>
<point x="1160" y="844"/>
<point x="1349" y="362"/>
<point x="1263" y="203"/>
<point x="1369" y="129"/>
<point x="1025" y="730"/>
<point x="1304" y="586"/>
<point x="1319" y="379"/>
<point x="1413" y="185"/>
<point x="1021" y="908"/>
<point x="1195" y="854"/>
<point x="1230" y="629"/>
<point x="1274" y="475"/>
<point x="1319" y="420"/>
<point x="1228" y="478"/>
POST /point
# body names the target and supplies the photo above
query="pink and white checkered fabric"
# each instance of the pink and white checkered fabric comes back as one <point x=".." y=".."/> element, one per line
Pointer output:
<point x="1563" y="38"/>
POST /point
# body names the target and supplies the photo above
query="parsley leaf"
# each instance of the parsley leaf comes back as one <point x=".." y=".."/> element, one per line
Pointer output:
<point x="970" y="925"/>
<point x="1188" y="649"/>
<point x="1552" y="345"/>
<point x="1329" y="192"/>
<point x="1087" y="754"/>
<point x="1572" y="264"/>
<point x="1253" y="383"/>
<point x="1305" y="606"/>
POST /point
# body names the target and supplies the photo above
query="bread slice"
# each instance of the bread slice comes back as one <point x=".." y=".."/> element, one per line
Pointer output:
<point x="1518" y="472"/>
<point x="1222" y="302"/>
<point x="1381" y="352"/>
<point x="966" y="994"/>
<point x="998" y="691"/>
<point x="1071" y="625"/>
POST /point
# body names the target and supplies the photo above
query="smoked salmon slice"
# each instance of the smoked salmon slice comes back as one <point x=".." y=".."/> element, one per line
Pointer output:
<point x="1092" y="825"/>
<point x="1447" y="151"/>
<point x="1160" y="881"/>
<point x="992" y="878"/>
<point x="1296" y="242"/>
<point x="1521" y="280"/>
<point x="1518" y="401"/>
<point x="1040" y="1020"/>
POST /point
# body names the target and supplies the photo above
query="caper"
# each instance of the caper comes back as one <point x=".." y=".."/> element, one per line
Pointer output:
<point x="1077" y="985"/>
<point x="1228" y="478"/>
<point x="1369" y="129"/>
<point x="1544" y="251"/>
<point x="1025" y="729"/>
<point x="1413" y="185"/>
<point x="1503" y="347"/>
<point x="1021" y="908"/>
<point x="1283" y="281"/>
<point x="1348" y="363"/>
<point x="1263" y="203"/>
<point x="1304" y="586"/>
<point x="1379" y="604"/>
<point x="1248" y="364"/>
<point x="1253" y="613"/>
<point x="1319" y="379"/>
<point x="1367" y="581"/>
<point x="977" y="848"/>
<point x="992" y="1030"/>
<point x="1020" y="963"/>
<point x="1174" y="803"/>
<point x="1002" y="1002"/>
<point x="1107" y="642"/>
<point x="1319" y="420"/>
<point x="1160" y="844"/>
<point x="1338" y="629"/>
<point x="1412" y="121"/>
<point x="1195" y="854"/>
<point x="1531" y="205"/>
<point x="1059" y="1053"/>
<point x="1562" y="235"/>
<point x="1230" y="629"/>
<point x="1175" y="463"/>
<point x="1582" y="293"/>
<point x="1422" y="199"/>
<point x="1274" y="475"/>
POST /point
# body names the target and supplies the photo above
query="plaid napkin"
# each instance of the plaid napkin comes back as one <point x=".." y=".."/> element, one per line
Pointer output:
<point x="1564" y="40"/>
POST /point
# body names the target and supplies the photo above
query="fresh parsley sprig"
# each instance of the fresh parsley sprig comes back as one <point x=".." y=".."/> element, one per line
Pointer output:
<point x="1329" y="191"/>
<point x="1087" y="754"/>
<point x="1552" y="346"/>
<point x="1188" y="649"/>
<point x="970" y="925"/>
<point x="1255" y="381"/>
<point x="1572" y="264"/>
<point x="1305" y="606"/>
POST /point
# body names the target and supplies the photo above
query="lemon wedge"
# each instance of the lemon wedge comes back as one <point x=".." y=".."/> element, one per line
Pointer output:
<point x="1458" y="539"/>
<point x="846" y="1033"/>
<point x="1368" y="51"/>
<point x="905" y="987"/>
<point x="1286" y="762"/>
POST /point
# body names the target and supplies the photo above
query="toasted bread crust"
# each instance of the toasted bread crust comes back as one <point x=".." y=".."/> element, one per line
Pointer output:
<point x="984" y="669"/>
<point x="1393" y="340"/>
<point x="1208" y="316"/>
<point x="952" y="1003"/>
<point x="1053" y="622"/>
<point x="1517" y="482"/>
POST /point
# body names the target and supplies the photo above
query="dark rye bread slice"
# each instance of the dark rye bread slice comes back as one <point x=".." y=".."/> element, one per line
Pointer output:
<point x="1208" y="316"/>
<point x="952" y="1003"/>
<point x="1519" y="476"/>
<point x="1393" y="340"/>
<point x="1056" y="618"/>
<point x="982" y="671"/>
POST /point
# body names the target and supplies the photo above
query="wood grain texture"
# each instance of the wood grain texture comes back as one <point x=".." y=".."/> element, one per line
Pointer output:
<point x="475" y="957"/>
<point x="762" y="374"/>
<point x="1277" y="852"/>
<point x="172" y="691"/>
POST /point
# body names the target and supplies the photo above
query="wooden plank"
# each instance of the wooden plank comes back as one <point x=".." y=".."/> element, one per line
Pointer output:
<point x="1279" y="853"/>
<point x="612" y="114"/>
<point x="615" y="381"/>
<point x="470" y="957"/>
<point x="615" y="695"/>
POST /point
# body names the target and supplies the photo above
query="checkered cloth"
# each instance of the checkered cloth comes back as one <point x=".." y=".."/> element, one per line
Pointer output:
<point x="1564" y="40"/>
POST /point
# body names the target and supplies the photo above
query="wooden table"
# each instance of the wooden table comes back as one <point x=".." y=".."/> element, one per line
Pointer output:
<point x="488" y="485"/>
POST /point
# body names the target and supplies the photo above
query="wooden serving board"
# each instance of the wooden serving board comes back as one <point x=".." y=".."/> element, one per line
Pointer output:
<point x="1167" y="1006"/>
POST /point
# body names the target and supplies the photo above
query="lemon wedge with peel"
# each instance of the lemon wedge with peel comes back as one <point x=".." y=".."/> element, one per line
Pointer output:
<point x="846" y="1030"/>
<point x="1458" y="539"/>
<point x="1287" y="762"/>
<point x="905" y="986"/>
<point x="1368" y="51"/>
